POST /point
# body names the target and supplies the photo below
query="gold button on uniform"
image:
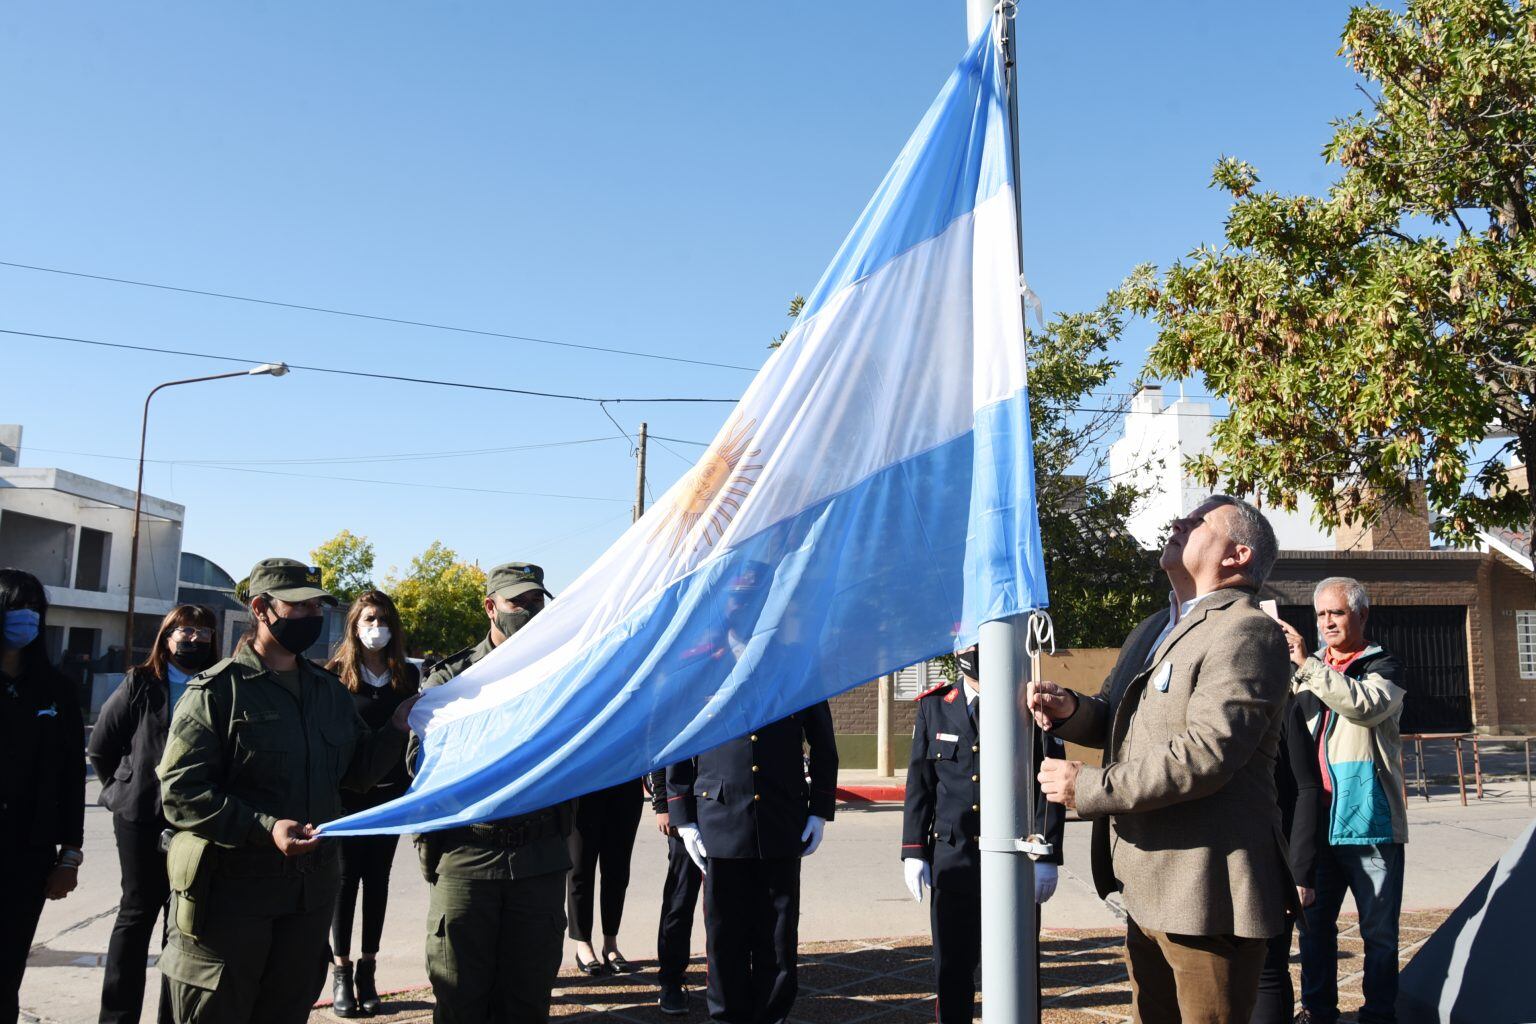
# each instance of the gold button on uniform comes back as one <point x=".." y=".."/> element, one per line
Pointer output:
<point x="754" y="767"/>
<point x="974" y="748"/>
<point x="975" y="778"/>
<point x="754" y="737"/>
<point x="975" y="807"/>
<point x="757" y="796"/>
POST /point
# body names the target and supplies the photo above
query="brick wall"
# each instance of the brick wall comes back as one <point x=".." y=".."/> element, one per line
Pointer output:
<point x="1513" y="704"/>
<point x="857" y="712"/>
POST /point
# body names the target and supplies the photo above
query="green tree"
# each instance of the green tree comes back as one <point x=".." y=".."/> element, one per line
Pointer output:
<point x="440" y="601"/>
<point x="1382" y="331"/>
<point x="346" y="565"/>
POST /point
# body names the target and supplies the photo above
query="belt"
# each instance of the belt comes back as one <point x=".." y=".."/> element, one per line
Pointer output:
<point x="510" y="833"/>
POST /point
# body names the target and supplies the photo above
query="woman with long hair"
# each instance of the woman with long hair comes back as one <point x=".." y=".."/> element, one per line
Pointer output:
<point x="125" y="748"/>
<point x="42" y="790"/>
<point x="371" y="663"/>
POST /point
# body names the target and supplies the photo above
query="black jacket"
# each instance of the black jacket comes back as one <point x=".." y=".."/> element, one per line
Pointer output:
<point x="42" y="790"/>
<point x="126" y="746"/>
<point x="1298" y="780"/>
<point x="942" y="817"/>
<point x="749" y="797"/>
<point x="376" y="705"/>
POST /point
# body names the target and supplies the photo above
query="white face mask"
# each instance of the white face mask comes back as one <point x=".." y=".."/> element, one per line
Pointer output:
<point x="373" y="637"/>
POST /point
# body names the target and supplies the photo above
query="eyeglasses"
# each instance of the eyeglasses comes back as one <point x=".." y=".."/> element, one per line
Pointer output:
<point x="191" y="633"/>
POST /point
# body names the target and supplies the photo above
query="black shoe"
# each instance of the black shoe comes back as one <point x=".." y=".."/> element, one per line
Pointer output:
<point x="592" y="968"/>
<point x="367" y="992"/>
<point x="619" y="965"/>
<point x="1304" y="1016"/>
<point x="673" y="1001"/>
<point x="343" y="998"/>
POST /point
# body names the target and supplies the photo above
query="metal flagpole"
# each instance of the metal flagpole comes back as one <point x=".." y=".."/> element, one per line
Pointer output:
<point x="1008" y="912"/>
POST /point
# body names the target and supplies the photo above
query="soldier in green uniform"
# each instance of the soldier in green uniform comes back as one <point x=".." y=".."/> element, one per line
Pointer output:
<point x="259" y="748"/>
<point x="496" y="918"/>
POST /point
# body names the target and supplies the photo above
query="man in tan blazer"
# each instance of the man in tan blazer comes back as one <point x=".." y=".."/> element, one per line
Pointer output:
<point x="1185" y="820"/>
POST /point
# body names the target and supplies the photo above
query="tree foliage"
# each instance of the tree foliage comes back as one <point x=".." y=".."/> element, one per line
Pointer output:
<point x="346" y="565"/>
<point x="1384" y="330"/>
<point x="440" y="601"/>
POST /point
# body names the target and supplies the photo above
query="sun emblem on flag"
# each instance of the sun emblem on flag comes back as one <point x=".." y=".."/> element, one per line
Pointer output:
<point x="711" y="493"/>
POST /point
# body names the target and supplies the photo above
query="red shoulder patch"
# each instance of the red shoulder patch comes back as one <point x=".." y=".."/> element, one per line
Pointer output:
<point x="933" y="690"/>
<point x="949" y="698"/>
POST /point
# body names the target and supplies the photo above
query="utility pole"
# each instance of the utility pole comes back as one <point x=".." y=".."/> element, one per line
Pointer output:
<point x="640" y="476"/>
<point x="1009" y="957"/>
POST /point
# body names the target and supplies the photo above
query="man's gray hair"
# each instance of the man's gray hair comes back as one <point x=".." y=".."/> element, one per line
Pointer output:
<point x="1251" y="530"/>
<point x="1354" y="592"/>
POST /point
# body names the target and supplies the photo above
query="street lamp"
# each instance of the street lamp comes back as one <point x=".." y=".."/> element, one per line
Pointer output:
<point x="264" y="370"/>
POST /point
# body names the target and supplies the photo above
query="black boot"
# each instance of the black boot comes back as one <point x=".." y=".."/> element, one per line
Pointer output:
<point x="367" y="995"/>
<point x="343" y="999"/>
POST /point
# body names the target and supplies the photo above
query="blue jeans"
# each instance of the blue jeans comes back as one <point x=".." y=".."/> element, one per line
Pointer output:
<point x="1374" y="874"/>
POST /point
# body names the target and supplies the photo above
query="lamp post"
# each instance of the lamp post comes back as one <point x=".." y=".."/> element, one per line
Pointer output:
<point x="264" y="370"/>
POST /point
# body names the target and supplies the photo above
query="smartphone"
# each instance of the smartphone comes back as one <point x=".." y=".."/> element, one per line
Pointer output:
<point x="1270" y="608"/>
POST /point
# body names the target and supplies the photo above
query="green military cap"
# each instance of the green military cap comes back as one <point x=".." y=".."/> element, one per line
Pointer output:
<point x="512" y="578"/>
<point x="286" y="580"/>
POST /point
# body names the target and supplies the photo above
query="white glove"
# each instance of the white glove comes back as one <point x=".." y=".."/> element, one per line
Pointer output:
<point x="918" y="877"/>
<point x="1045" y="881"/>
<point x="811" y="837"/>
<point x="694" y="844"/>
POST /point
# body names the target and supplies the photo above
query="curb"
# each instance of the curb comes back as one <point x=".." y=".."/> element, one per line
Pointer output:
<point x="873" y="793"/>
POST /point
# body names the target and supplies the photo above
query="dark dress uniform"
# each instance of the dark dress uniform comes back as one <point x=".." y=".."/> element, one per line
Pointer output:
<point x="249" y="747"/>
<point x="679" y="897"/>
<point x="941" y="823"/>
<point x="496" y="917"/>
<point x="750" y="800"/>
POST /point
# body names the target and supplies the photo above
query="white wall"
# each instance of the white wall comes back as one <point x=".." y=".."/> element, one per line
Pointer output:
<point x="1158" y="437"/>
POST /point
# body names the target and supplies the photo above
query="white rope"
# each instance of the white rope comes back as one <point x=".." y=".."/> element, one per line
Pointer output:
<point x="1042" y="635"/>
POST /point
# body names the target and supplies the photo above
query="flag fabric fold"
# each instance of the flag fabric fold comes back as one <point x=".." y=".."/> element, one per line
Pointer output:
<point x="873" y="487"/>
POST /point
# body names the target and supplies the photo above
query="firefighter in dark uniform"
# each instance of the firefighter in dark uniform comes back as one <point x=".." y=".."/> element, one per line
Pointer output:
<point x="679" y="898"/>
<point x="942" y="821"/>
<point x="259" y="747"/>
<point x="496" y="914"/>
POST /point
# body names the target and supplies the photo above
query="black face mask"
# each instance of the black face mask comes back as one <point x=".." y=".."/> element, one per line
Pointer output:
<point x="970" y="664"/>
<point x="509" y="622"/>
<point x="192" y="657"/>
<point x="297" y="635"/>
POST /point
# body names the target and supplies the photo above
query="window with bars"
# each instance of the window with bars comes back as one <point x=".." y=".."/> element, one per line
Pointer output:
<point x="1525" y="636"/>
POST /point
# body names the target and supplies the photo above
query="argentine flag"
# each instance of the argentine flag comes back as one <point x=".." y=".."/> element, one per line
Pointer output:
<point x="874" y="487"/>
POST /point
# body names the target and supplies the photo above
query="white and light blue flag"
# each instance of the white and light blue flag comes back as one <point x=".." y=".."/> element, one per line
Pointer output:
<point x="873" y="488"/>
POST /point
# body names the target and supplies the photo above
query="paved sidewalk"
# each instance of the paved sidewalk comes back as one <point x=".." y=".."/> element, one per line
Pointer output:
<point x="852" y="893"/>
<point x="889" y="981"/>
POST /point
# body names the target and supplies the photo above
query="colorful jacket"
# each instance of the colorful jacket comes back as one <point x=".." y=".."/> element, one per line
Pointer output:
<point x="1359" y="708"/>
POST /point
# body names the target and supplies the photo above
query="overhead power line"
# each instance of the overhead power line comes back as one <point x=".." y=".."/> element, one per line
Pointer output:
<point x="371" y="316"/>
<point x="365" y="373"/>
<point x="334" y="460"/>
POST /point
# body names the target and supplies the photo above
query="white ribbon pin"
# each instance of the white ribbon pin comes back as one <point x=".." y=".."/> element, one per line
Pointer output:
<point x="1163" y="677"/>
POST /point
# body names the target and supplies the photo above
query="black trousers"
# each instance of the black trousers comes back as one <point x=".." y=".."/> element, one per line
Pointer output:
<point x="23" y="872"/>
<point x="1277" y="998"/>
<point x="146" y="892"/>
<point x="752" y="929"/>
<point x="604" y="835"/>
<point x="955" y="919"/>
<point x="365" y="864"/>
<point x="679" y="897"/>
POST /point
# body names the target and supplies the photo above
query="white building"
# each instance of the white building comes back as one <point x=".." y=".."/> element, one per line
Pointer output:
<point x="1159" y="437"/>
<point x="74" y="534"/>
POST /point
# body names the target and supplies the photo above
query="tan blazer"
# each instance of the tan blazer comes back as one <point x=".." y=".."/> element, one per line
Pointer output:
<point x="1186" y="819"/>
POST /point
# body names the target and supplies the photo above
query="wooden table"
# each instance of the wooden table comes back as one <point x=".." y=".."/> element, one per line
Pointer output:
<point x="1477" y="763"/>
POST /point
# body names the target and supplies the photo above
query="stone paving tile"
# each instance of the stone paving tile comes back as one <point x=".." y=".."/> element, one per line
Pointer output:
<point x="887" y="982"/>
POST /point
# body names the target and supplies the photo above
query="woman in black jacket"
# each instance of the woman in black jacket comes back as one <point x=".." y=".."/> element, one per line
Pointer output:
<point x="42" y="790"/>
<point x="1298" y="779"/>
<point x="372" y="663"/>
<point x="125" y="748"/>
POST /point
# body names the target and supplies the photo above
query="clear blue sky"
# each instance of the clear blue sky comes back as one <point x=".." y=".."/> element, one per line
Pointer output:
<point x="659" y="177"/>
